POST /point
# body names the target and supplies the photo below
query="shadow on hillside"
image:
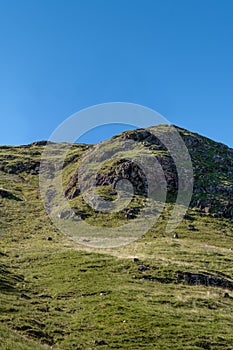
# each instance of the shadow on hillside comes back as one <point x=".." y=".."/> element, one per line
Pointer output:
<point x="8" y="280"/>
<point x="7" y="194"/>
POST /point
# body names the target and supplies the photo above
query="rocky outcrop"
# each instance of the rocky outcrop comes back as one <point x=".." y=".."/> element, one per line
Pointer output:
<point x="189" y="278"/>
<point x="212" y="167"/>
<point x="201" y="279"/>
<point x="16" y="167"/>
<point x="125" y="169"/>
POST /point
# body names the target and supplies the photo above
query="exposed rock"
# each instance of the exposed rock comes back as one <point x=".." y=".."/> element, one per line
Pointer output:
<point x="190" y="279"/>
<point x="226" y="295"/>
<point x="191" y="228"/>
<point x="71" y="193"/>
<point x="124" y="169"/>
<point x="142" y="268"/>
<point x="50" y="194"/>
<point x="27" y="166"/>
<point x="131" y="213"/>
<point x="212" y="165"/>
<point x="73" y="214"/>
<point x="72" y="190"/>
<point x="188" y="217"/>
<point x="41" y="143"/>
<point x="100" y="342"/>
<point x="200" y="279"/>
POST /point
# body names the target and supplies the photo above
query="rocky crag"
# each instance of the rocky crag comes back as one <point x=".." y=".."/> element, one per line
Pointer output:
<point x="212" y="164"/>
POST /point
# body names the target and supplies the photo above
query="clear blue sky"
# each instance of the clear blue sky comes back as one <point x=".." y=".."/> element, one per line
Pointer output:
<point x="59" y="56"/>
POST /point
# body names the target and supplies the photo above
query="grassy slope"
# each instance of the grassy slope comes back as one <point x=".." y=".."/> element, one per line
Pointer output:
<point x="58" y="294"/>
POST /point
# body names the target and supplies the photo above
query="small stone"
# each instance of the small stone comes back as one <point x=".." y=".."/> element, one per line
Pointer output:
<point x="100" y="342"/>
<point x="49" y="238"/>
<point x="142" y="268"/>
<point x="24" y="296"/>
<point x="225" y="295"/>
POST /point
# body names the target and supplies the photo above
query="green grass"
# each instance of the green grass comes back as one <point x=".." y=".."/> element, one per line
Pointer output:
<point x="12" y="340"/>
<point x="78" y="298"/>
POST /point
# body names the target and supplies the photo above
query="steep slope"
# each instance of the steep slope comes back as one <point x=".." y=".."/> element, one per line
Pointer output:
<point x="158" y="292"/>
<point x="212" y="166"/>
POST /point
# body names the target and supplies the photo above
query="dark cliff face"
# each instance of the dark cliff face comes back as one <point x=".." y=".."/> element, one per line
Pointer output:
<point x="212" y="164"/>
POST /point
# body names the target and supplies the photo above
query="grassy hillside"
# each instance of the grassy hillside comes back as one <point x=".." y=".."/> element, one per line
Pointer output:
<point x="150" y="294"/>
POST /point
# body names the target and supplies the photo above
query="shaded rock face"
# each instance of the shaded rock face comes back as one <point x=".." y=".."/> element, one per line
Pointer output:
<point x="7" y="194"/>
<point x="28" y="166"/>
<point x="72" y="190"/>
<point x="145" y="136"/>
<point x="128" y="170"/>
<point x="124" y="169"/>
<point x="191" y="279"/>
<point x="41" y="143"/>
